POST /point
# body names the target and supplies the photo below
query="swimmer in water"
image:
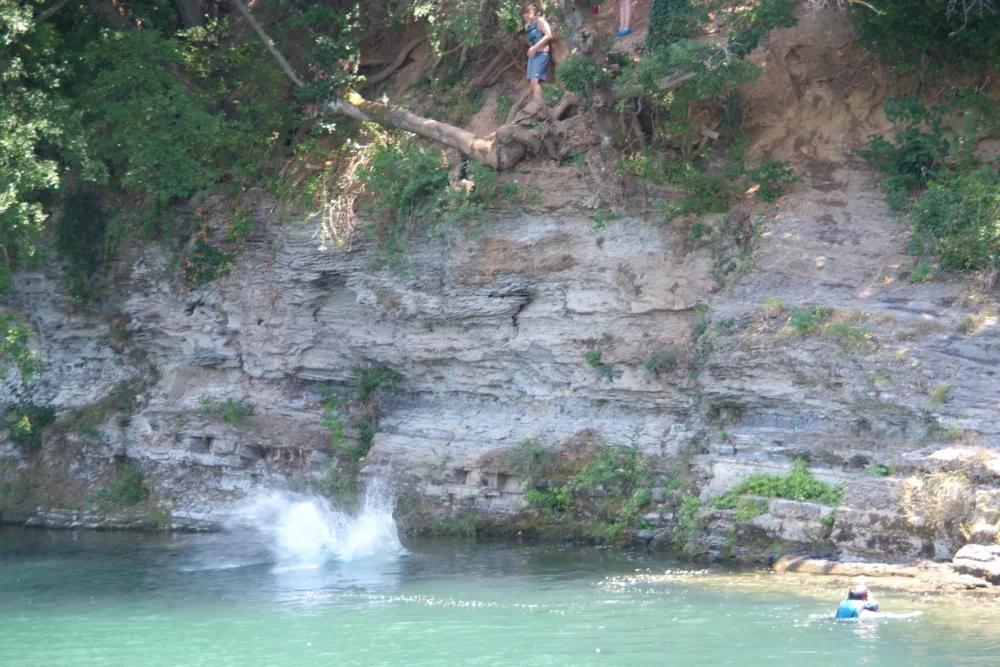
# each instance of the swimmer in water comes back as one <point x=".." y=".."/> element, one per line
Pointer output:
<point x="857" y="602"/>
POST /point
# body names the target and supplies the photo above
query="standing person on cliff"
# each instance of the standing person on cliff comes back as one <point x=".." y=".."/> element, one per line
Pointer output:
<point x="539" y="37"/>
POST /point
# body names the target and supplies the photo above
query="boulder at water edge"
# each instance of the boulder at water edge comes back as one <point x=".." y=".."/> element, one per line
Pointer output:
<point x="980" y="561"/>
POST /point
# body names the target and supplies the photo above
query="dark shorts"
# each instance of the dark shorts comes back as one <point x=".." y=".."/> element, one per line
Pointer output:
<point x="538" y="66"/>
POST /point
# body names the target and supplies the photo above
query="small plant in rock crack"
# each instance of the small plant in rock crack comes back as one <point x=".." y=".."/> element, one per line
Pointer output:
<point x="773" y="306"/>
<point x="940" y="394"/>
<point x="807" y="320"/>
<point x="772" y="177"/>
<point x="661" y="361"/>
<point x="357" y="408"/>
<point x="232" y="411"/>
<point x="593" y="358"/>
<point x="881" y="469"/>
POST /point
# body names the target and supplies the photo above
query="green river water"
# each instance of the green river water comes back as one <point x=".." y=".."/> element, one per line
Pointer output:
<point x="99" y="599"/>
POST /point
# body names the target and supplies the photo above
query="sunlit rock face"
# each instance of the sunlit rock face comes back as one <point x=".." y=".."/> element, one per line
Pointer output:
<point x="490" y="334"/>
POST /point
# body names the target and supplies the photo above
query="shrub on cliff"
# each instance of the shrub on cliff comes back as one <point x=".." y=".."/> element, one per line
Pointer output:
<point x="799" y="484"/>
<point x="927" y="35"/>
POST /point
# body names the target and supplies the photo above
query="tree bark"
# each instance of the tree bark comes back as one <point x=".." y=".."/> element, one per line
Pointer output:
<point x="585" y="42"/>
<point x="192" y="12"/>
<point x="501" y="150"/>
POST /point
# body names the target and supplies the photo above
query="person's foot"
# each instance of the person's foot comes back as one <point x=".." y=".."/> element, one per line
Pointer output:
<point x="622" y="33"/>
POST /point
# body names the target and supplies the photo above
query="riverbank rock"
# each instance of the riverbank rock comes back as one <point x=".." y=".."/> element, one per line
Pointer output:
<point x="979" y="561"/>
<point x="922" y="576"/>
<point x="70" y="519"/>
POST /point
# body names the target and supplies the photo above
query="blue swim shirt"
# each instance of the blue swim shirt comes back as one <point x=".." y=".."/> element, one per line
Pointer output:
<point x="853" y="608"/>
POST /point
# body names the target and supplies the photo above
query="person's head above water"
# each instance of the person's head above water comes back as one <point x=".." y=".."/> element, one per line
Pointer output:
<point x="857" y="593"/>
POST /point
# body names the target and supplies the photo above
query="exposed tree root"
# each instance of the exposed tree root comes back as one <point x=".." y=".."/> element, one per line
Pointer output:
<point x="404" y="53"/>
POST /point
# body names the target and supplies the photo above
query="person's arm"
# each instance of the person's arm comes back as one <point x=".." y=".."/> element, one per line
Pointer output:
<point x="543" y="25"/>
<point x="870" y="605"/>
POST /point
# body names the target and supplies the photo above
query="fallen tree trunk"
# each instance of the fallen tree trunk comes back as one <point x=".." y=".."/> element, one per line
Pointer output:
<point x="501" y="150"/>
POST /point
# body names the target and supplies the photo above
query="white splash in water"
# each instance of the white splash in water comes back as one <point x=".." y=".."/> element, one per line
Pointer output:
<point x="306" y="530"/>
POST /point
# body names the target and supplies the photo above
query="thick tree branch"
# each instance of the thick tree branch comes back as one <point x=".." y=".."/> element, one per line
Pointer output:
<point x="269" y="43"/>
<point x="500" y="150"/>
<point x="51" y="11"/>
<point x="675" y="81"/>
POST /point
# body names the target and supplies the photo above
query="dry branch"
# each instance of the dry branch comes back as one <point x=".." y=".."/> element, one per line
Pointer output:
<point x="269" y="43"/>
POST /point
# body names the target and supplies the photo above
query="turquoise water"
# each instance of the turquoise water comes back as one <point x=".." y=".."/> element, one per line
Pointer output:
<point x="89" y="599"/>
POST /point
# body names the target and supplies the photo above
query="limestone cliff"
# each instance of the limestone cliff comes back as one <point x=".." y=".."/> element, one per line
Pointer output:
<point x="490" y="332"/>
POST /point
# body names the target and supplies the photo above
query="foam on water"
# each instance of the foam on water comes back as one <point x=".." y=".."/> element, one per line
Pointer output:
<point x="306" y="530"/>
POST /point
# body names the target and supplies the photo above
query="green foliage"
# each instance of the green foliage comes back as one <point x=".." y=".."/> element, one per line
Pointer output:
<point x="798" y="484"/>
<point x="79" y="240"/>
<point x="807" y="320"/>
<point x="939" y="395"/>
<point x="593" y="359"/>
<point x="552" y="94"/>
<point x="357" y="408"/>
<point x="689" y="526"/>
<point x="748" y="509"/>
<point x="773" y="306"/>
<point x="369" y="381"/>
<point x="772" y="176"/>
<point x="750" y="23"/>
<point x="578" y="74"/>
<point x="208" y="259"/>
<point x="669" y="21"/>
<point x="27" y="421"/>
<point x="126" y="488"/>
<point x="160" y="517"/>
<point x="913" y="157"/>
<point x="509" y="16"/>
<point x="602" y="217"/>
<point x="530" y="461"/>
<point x="40" y="134"/>
<point x="15" y="349"/>
<point x="239" y="76"/>
<point x="121" y="400"/>
<point x="880" y="469"/>
<point x="157" y="141"/>
<point x="334" y="57"/>
<point x="557" y="500"/>
<point x="232" y="411"/>
<point x="921" y="35"/>
<point x="849" y="335"/>
<point x="504" y="105"/>
<point x="661" y="361"/>
<point x="613" y="485"/>
<point x="620" y="468"/>
<point x="408" y="184"/>
<point x="465" y="525"/>
<point x="958" y="219"/>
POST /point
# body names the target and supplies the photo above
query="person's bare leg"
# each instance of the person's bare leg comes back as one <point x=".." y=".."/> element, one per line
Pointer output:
<point x="536" y="90"/>
<point x="624" y="14"/>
